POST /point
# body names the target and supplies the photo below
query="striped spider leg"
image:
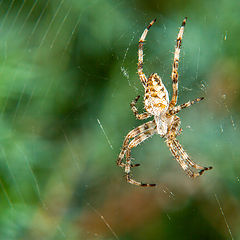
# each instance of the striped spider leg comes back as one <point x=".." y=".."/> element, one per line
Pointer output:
<point x="179" y="153"/>
<point x="174" y="75"/>
<point x="176" y="149"/>
<point x="165" y="123"/>
<point x="184" y="160"/>
<point x="137" y="135"/>
<point x="142" y="76"/>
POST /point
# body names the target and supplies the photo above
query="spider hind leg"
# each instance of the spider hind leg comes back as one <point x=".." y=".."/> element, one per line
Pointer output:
<point x="142" y="76"/>
<point x="174" y="75"/>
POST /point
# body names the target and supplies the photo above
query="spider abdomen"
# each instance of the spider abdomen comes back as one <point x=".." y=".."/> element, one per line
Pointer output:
<point x="156" y="96"/>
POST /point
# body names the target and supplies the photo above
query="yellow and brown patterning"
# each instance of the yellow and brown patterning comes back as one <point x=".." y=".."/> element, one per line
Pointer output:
<point x="156" y="96"/>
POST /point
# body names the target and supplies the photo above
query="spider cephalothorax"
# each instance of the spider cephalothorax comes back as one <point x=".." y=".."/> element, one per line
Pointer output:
<point x="165" y="123"/>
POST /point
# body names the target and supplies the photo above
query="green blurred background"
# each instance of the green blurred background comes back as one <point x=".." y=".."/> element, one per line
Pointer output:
<point x="67" y="77"/>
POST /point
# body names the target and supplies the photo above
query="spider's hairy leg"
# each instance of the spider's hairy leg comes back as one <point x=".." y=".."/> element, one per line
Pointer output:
<point x="185" y="166"/>
<point x="140" y="54"/>
<point x="184" y="160"/>
<point x="189" y="161"/>
<point x="138" y="130"/>
<point x="174" y="129"/>
<point x="135" y="111"/>
<point x="177" y="109"/>
<point x="140" y="184"/>
<point x="136" y="141"/>
<point x="174" y="75"/>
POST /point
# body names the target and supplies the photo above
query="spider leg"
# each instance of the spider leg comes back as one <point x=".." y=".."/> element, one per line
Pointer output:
<point x="136" y="141"/>
<point x="185" y="166"/>
<point x="174" y="130"/>
<point x="132" y="181"/>
<point x="186" y="158"/>
<point x="174" y="75"/>
<point x="138" y="130"/>
<point x="135" y="111"/>
<point x="178" y="108"/>
<point x="140" y="54"/>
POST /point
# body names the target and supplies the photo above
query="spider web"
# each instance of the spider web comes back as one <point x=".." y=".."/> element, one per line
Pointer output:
<point x="68" y="75"/>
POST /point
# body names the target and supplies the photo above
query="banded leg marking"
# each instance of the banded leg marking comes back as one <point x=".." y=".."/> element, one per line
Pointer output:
<point x="140" y="54"/>
<point x="185" y="156"/>
<point x="138" y="130"/>
<point x="177" y="109"/>
<point x="176" y="155"/>
<point x="175" y="65"/>
<point x="140" y="116"/>
<point x="184" y="160"/>
<point x="175" y="130"/>
<point x="136" y="141"/>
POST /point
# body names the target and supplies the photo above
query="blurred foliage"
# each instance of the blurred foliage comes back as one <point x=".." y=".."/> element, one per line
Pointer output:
<point x="68" y="74"/>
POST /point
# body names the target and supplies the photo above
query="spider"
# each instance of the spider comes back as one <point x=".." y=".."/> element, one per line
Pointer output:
<point x="165" y="123"/>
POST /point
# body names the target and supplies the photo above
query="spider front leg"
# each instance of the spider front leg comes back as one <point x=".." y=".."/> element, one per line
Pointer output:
<point x="174" y="130"/>
<point x="179" y="153"/>
<point x="183" y="163"/>
<point x="132" y="134"/>
<point x="186" y="158"/>
<point x="136" y="141"/>
<point x="141" y="116"/>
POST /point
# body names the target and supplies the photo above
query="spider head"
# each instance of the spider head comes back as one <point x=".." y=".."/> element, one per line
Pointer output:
<point x="156" y="96"/>
<point x="162" y="123"/>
